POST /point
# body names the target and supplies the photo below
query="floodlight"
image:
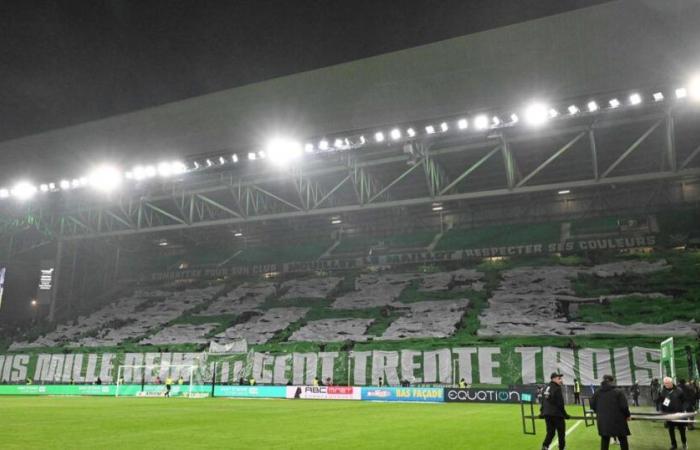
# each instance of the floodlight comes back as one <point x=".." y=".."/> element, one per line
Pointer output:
<point x="592" y="106"/>
<point x="614" y="103"/>
<point x="553" y="113"/>
<point x="681" y="93"/>
<point x="165" y="169"/>
<point x="209" y="163"/>
<point x="362" y="140"/>
<point x="573" y="109"/>
<point x="234" y="158"/>
<point x="178" y="167"/>
<point x="83" y="181"/>
<point x="196" y="165"/>
<point x="64" y="184"/>
<point x="252" y="156"/>
<point x="75" y="183"/>
<point x="238" y="234"/>
<point x="379" y="136"/>
<point x="658" y="96"/>
<point x="437" y="206"/>
<point x="281" y="150"/>
<point x="23" y="190"/>
<point x="411" y="132"/>
<point x="495" y="121"/>
<point x="262" y="154"/>
<point x="105" y="178"/>
<point x="222" y="160"/>
<point x="44" y="187"/>
<point x="323" y="145"/>
<point x="536" y="114"/>
<point x="635" y="99"/>
<point x="4" y="193"/>
<point x="564" y="192"/>
<point x="481" y="122"/>
<point x="150" y="171"/>
<point x="462" y="124"/>
<point x="694" y="88"/>
<point x="444" y="127"/>
<point x="430" y="129"/>
<point x="514" y="118"/>
<point x="309" y="148"/>
<point x="52" y="186"/>
<point x="338" y="143"/>
<point x="336" y="221"/>
<point x="396" y="134"/>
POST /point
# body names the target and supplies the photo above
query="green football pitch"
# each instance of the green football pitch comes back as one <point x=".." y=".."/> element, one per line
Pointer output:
<point x="129" y="423"/>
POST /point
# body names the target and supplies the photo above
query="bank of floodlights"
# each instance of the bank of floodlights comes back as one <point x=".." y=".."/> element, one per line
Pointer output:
<point x="282" y="150"/>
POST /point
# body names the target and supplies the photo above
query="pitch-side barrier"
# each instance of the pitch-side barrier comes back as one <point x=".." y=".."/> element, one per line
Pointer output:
<point x="589" y="417"/>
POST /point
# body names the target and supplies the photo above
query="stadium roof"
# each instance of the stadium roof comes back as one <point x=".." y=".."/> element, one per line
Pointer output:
<point x="625" y="44"/>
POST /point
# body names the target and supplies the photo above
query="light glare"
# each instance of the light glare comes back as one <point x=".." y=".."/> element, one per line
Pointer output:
<point x="592" y="106"/>
<point x="462" y="124"/>
<point x="105" y="178"/>
<point x="635" y="99"/>
<point x="23" y="190"/>
<point x="396" y="134"/>
<point x="536" y="114"/>
<point x="481" y="122"/>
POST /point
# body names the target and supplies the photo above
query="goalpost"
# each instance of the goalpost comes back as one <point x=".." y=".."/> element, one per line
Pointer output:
<point x="142" y="375"/>
<point x="667" y="362"/>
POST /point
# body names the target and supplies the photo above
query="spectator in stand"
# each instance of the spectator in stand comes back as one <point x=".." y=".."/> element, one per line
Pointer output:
<point x="610" y="406"/>
<point x="635" y="393"/>
<point x="654" y="392"/>
<point x="158" y="380"/>
<point x="252" y="381"/>
<point x="180" y="381"/>
<point x="462" y="384"/>
<point x="99" y="381"/>
<point x="577" y="391"/>
<point x="672" y="400"/>
<point x="315" y="382"/>
<point x="329" y="382"/>
<point x="381" y="382"/>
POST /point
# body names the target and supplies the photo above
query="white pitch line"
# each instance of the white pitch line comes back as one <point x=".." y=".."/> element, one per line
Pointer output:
<point x="573" y="427"/>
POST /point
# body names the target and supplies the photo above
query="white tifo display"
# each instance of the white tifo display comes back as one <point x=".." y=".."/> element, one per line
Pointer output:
<point x="145" y="374"/>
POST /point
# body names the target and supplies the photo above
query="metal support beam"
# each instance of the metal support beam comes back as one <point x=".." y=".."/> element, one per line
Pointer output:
<point x="690" y="157"/>
<point x="632" y="147"/>
<point x="670" y="152"/>
<point x="218" y="205"/>
<point x="396" y="180"/>
<point x="471" y="169"/>
<point x="594" y="153"/>
<point x="509" y="163"/>
<point x="551" y="159"/>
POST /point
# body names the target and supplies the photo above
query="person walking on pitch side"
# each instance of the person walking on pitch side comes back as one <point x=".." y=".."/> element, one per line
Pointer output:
<point x="612" y="413"/>
<point x="553" y="411"/>
<point x="635" y="393"/>
<point x="672" y="400"/>
<point x="577" y="391"/>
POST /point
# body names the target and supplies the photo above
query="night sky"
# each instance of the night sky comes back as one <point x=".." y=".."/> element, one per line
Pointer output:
<point x="72" y="61"/>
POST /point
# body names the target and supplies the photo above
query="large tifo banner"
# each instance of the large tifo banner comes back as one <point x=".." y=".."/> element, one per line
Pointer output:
<point x="476" y="365"/>
<point x="541" y="248"/>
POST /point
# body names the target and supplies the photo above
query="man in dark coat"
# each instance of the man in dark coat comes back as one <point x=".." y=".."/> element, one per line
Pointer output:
<point x="635" y="393"/>
<point x="672" y="400"/>
<point x="553" y="411"/>
<point x="612" y="411"/>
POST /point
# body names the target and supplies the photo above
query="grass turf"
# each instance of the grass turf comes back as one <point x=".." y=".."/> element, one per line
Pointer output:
<point x="104" y="423"/>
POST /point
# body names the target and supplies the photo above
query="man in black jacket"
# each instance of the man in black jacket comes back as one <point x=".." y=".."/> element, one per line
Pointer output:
<point x="612" y="411"/>
<point x="672" y="400"/>
<point x="553" y="411"/>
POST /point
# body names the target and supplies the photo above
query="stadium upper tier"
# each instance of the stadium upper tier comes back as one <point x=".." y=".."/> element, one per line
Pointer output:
<point x="530" y="297"/>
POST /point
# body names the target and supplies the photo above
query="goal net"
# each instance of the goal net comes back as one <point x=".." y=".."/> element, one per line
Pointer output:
<point x="184" y="380"/>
